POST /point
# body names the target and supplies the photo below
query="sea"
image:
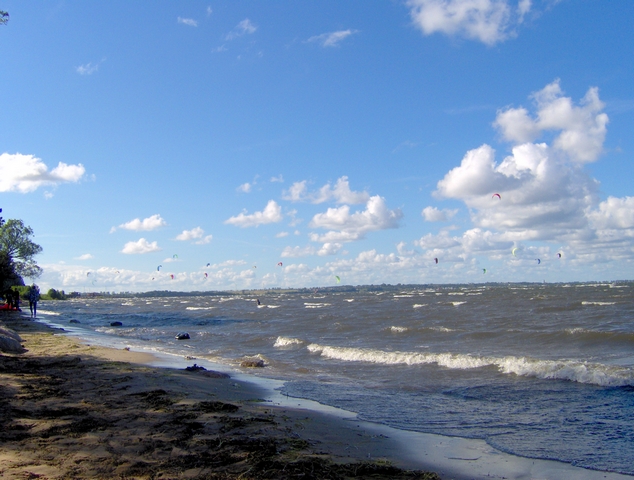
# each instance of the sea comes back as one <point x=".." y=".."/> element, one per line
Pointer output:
<point x="543" y="371"/>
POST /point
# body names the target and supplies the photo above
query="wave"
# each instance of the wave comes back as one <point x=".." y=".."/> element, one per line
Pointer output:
<point x="287" y="342"/>
<point x="419" y="305"/>
<point x="48" y="312"/>
<point x="315" y="305"/>
<point x="570" y="370"/>
<point x="199" y="308"/>
<point x="456" y="304"/>
<point x="398" y="329"/>
<point x="597" y="303"/>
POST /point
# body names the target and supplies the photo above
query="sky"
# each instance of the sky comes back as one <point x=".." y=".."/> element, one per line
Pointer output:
<point x="221" y="145"/>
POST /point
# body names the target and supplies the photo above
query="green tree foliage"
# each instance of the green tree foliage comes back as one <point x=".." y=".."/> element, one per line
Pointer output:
<point x="8" y="275"/>
<point x="4" y="17"/>
<point x="15" y="241"/>
<point x="55" y="294"/>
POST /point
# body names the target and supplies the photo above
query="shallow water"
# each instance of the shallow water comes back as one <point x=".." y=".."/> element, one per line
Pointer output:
<point x="537" y="370"/>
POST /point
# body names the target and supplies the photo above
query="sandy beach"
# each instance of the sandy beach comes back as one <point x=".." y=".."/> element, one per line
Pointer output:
<point x="72" y="410"/>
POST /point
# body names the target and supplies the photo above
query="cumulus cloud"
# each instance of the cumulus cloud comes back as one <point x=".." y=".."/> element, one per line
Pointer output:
<point x="432" y="214"/>
<point x="332" y="39"/>
<point x="197" y="234"/>
<point x="85" y="256"/>
<point x="245" y="27"/>
<point x="140" y="246"/>
<point x="26" y="173"/>
<point x="190" y="22"/>
<point x="344" y="226"/>
<point x="272" y="213"/>
<point x="487" y="21"/>
<point x="614" y="213"/>
<point x="340" y="193"/>
<point x="545" y="193"/>
<point x="581" y="128"/>
<point x="147" y="224"/>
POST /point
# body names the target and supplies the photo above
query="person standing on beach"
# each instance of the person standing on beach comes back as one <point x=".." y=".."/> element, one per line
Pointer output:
<point x="34" y="296"/>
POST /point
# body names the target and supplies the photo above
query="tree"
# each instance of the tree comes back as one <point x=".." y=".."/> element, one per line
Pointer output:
<point x="16" y="243"/>
<point x="8" y="276"/>
<point x="4" y="17"/>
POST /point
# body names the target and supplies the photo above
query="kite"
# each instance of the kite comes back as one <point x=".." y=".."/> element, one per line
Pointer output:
<point x="172" y="276"/>
<point x="436" y="260"/>
<point x="174" y="256"/>
<point x="497" y="195"/>
<point x="208" y="264"/>
<point x="558" y="255"/>
<point x="513" y="251"/>
<point x="205" y="275"/>
<point x="158" y="269"/>
<point x="538" y="261"/>
<point x="484" y="270"/>
<point x="279" y="264"/>
<point x="88" y="274"/>
<point x="337" y="278"/>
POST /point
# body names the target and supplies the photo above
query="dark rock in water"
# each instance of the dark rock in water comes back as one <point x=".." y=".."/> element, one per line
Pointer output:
<point x="74" y="321"/>
<point x="252" y="363"/>
<point x="182" y="336"/>
<point x="116" y="324"/>
<point x="194" y="368"/>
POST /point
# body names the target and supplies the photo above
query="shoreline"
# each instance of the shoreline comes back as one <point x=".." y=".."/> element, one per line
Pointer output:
<point x="326" y="434"/>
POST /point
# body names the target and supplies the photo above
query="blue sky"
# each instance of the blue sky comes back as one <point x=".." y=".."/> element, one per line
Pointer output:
<point x="338" y="138"/>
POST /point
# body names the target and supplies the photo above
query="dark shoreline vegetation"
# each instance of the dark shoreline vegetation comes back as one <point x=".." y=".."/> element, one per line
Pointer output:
<point x="61" y="295"/>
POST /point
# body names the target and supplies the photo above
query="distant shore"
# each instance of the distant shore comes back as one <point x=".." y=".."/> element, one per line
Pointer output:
<point x="71" y="410"/>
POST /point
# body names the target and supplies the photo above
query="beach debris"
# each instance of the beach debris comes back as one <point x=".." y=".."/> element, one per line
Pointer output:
<point x="116" y="324"/>
<point x="182" y="336"/>
<point x="195" y="368"/>
<point x="253" y="363"/>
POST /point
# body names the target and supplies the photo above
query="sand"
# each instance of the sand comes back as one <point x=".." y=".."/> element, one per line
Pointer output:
<point x="72" y="410"/>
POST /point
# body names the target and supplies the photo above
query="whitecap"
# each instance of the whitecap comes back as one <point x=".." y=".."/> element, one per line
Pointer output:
<point x="287" y="342"/>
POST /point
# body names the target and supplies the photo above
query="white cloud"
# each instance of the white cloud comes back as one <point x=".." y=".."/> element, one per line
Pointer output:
<point x="614" y="213"/>
<point x="332" y="39"/>
<point x="340" y="193"/>
<point x="85" y="256"/>
<point x="278" y="179"/>
<point x="188" y="21"/>
<point x="244" y="188"/>
<point x="147" y="224"/>
<point x="87" y="69"/>
<point x="209" y="11"/>
<point x="582" y="128"/>
<point x="272" y="213"/>
<point x="326" y="249"/>
<point x="140" y="246"/>
<point x="346" y="227"/>
<point x="487" y="21"/>
<point x="245" y="27"/>
<point x="281" y="235"/>
<point x="432" y="214"/>
<point x="197" y="234"/>
<point x="26" y="173"/>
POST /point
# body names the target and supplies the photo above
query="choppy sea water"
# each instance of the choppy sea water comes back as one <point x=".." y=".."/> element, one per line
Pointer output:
<point x="537" y="370"/>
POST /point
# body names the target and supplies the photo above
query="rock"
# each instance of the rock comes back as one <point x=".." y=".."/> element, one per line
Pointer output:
<point x="182" y="336"/>
<point x="252" y="363"/>
<point x="10" y="341"/>
<point x="116" y="324"/>
<point x="74" y="321"/>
